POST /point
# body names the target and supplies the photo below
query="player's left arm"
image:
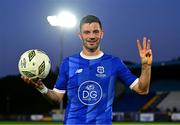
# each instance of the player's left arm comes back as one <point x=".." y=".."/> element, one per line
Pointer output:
<point x="145" y="52"/>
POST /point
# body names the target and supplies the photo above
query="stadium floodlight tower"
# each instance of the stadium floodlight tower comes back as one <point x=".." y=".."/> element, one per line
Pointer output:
<point x="64" y="19"/>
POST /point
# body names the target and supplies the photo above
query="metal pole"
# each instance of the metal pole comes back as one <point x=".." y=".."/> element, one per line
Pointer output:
<point x="61" y="58"/>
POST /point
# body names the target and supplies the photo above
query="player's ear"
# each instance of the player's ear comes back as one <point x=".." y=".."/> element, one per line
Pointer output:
<point x="80" y="36"/>
<point x="102" y="34"/>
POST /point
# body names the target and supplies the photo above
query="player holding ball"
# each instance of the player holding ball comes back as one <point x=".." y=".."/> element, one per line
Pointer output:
<point x="89" y="77"/>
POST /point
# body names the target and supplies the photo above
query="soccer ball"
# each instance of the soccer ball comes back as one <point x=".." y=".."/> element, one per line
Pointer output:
<point x="34" y="64"/>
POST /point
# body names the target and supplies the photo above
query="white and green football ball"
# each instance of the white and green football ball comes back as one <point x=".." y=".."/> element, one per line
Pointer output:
<point x="34" y="64"/>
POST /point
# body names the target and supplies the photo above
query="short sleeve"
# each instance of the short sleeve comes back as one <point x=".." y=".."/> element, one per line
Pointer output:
<point x="124" y="73"/>
<point x="61" y="82"/>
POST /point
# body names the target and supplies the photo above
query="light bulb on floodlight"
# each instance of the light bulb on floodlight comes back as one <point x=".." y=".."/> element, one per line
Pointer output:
<point x="64" y="19"/>
<point x="53" y="21"/>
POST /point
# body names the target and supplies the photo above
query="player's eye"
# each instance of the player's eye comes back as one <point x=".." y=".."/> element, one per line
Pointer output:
<point x="96" y="31"/>
<point x="86" y="32"/>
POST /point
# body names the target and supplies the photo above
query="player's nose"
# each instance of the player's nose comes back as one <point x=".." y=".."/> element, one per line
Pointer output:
<point x="91" y="36"/>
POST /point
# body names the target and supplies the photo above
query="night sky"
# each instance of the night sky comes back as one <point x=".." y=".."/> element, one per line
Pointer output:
<point x="23" y="26"/>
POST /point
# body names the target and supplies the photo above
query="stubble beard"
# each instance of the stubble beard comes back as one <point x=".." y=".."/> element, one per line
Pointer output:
<point x="91" y="49"/>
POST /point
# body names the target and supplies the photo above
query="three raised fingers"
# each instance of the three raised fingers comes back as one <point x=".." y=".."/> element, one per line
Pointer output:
<point x="146" y="44"/>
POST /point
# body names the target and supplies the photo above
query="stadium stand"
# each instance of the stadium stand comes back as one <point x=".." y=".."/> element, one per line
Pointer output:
<point x="171" y="102"/>
<point x="17" y="100"/>
<point x="131" y="102"/>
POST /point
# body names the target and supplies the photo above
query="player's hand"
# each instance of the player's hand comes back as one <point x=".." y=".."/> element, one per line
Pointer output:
<point x="145" y="51"/>
<point x="38" y="84"/>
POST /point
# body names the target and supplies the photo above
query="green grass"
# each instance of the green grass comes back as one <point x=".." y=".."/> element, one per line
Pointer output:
<point x="114" y="123"/>
<point x="146" y="123"/>
<point x="29" y="123"/>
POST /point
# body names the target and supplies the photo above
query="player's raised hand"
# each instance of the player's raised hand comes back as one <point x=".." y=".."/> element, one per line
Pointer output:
<point x="38" y="84"/>
<point x="145" y="51"/>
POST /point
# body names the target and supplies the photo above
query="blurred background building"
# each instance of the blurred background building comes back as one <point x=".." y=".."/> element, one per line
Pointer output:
<point x="19" y="101"/>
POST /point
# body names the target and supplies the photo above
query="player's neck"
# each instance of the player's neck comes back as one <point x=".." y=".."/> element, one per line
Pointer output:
<point x="90" y="53"/>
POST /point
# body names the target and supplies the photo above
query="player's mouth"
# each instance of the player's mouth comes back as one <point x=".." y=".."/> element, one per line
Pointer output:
<point x="91" y="42"/>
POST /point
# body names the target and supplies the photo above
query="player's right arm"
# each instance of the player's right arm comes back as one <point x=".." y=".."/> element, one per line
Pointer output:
<point x="48" y="93"/>
<point x="54" y="96"/>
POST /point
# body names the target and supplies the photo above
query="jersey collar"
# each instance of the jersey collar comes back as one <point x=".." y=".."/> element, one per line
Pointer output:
<point x="91" y="57"/>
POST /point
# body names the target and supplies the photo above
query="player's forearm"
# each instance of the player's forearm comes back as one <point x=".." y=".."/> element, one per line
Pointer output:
<point x="144" y="79"/>
<point x="53" y="96"/>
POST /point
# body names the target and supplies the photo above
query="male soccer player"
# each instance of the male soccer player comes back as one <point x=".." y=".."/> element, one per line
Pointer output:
<point x="89" y="77"/>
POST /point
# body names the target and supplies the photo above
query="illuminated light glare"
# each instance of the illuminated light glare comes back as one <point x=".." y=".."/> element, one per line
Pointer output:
<point x="64" y="19"/>
<point x="53" y="21"/>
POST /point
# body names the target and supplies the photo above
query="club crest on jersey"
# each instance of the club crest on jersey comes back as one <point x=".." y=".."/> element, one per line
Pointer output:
<point x="89" y="93"/>
<point x="100" y="72"/>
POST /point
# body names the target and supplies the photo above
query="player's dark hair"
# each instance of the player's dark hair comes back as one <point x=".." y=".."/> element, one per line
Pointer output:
<point x="90" y="19"/>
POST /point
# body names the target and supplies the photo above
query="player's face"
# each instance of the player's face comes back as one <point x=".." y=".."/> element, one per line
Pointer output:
<point x="91" y="35"/>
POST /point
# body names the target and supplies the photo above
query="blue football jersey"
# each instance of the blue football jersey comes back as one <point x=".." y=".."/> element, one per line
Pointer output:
<point x="89" y="84"/>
